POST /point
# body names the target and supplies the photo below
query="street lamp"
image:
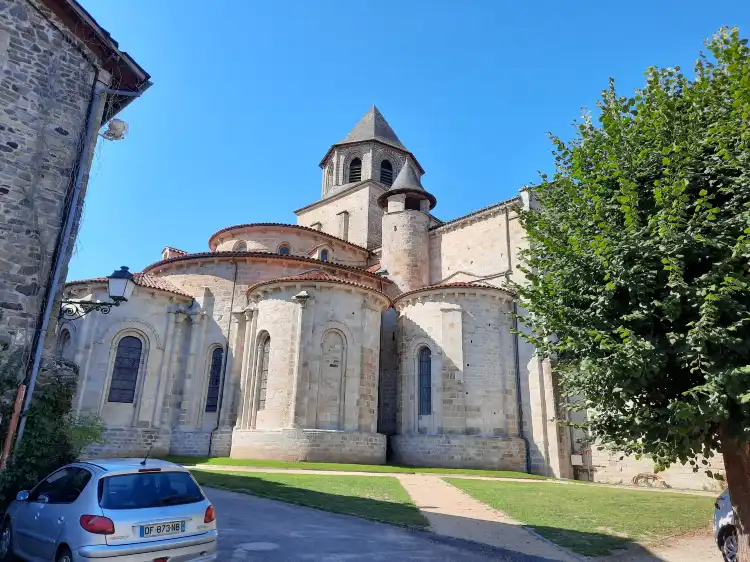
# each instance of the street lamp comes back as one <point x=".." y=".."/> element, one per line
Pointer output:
<point x="120" y="286"/>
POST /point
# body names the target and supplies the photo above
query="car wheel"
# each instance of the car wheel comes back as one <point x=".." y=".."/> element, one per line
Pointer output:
<point x="6" y="543"/>
<point x="729" y="546"/>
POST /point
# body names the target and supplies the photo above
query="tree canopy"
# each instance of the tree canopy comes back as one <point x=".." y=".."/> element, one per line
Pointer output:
<point x="637" y="282"/>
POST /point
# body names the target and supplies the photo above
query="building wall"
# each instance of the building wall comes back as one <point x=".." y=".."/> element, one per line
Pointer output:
<point x="406" y="250"/>
<point x="302" y="243"/>
<point x="472" y="363"/>
<point x="46" y="85"/>
<point x="364" y="214"/>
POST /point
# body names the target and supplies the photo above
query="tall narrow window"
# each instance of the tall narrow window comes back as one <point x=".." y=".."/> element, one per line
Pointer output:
<point x="214" y="380"/>
<point x="324" y="255"/>
<point x="125" y="371"/>
<point x="355" y="170"/>
<point x="63" y="345"/>
<point x="386" y="173"/>
<point x="425" y="382"/>
<point x="265" y="352"/>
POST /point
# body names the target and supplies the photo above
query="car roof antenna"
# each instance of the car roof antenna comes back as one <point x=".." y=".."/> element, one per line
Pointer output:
<point x="143" y="462"/>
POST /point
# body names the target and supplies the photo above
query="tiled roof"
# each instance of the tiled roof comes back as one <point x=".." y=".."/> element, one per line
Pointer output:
<point x="478" y="211"/>
<point x="174" y="249"/>
<point x="315" y="275"/>
<point x="277" y="224"/>
<point x="140" y="279"/>
<point x="458" y="284"/>
<point x="374" y="269"/>
<point x="266" y="255"/>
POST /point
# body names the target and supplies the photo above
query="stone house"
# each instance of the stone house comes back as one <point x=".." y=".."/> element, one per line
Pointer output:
<point x="52" y="57"/>
<point x="370" y="330"/>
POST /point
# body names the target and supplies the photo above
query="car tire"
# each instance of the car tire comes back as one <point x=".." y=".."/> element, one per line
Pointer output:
<point x="6" y="543"/>
<point x="729" y="546"/>
<point x="64" y="555"/>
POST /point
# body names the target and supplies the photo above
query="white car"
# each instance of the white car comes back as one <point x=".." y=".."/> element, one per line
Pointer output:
<point x="725" y="531"/>
<point x="128" y="510"/>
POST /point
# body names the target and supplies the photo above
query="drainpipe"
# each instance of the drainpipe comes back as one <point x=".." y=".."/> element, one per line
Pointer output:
<point x="519" y="399"/>
<point x="224" y="365"/>
<point x="64" y="241"/>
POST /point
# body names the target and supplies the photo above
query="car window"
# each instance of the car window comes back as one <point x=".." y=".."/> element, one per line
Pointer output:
<point x="148" y="489"/>
<point x="63" y="486"/>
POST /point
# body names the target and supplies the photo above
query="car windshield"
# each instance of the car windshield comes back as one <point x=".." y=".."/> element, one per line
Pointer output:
<point x="148" y="489"/>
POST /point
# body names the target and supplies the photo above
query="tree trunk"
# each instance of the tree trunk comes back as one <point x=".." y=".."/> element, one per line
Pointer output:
<point x="737" y="466"/>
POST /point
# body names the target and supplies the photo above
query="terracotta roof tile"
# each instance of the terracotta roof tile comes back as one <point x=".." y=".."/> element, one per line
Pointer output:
<point x="140" y="279"/>
<point x="457" y="284"/>
<point x="315" y="275"/>
<point x="374" y="269"/>
<point x="277" y="224"/>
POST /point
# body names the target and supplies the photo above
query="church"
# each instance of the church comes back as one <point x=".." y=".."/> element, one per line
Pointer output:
<point x="370" y="331"/>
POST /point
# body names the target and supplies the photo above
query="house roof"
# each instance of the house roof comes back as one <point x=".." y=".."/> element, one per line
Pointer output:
<point x="126" y="73"/>
<point x="218" y="233"/>
<point x="315" y="275"/>
<point x="478" y="212"/>
<point x="140" y="279"/>
<point x="455" y="285"/>
<point x="407" y="181"/>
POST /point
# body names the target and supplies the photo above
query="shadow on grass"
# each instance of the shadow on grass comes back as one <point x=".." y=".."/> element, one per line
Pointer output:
<point x="407" y="515"/>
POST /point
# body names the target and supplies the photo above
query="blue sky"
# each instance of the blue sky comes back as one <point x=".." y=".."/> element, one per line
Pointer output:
<point x="249" y="95"/>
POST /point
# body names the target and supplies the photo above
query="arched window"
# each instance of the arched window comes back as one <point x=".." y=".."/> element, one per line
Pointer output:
<point x="63" y="345"/>
<point x="425" y="381"/>
<point x="265" y="353"/>
<point x="214" y="379"/>
<point x="386" y="173"/>
<point x="125" y="371"/>
<point x="324" y="255"/>
<point x="285" y="249"/>
<point x="240" y="246"/>
<point x="355" y="170"/>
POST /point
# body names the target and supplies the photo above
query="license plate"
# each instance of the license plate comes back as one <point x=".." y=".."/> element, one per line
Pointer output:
<point x="160" y="529"/>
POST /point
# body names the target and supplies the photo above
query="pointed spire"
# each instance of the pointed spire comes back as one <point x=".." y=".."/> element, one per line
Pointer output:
<point x="407" y="178"/>
<point x="373" y="126"/>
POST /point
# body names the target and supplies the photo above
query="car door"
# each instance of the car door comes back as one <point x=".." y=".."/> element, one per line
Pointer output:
<point x="61" y="508"/>
<point x="32" y="537"/>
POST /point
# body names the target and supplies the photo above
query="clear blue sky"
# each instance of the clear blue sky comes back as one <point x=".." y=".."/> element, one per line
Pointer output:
<point x="249" y="95"/>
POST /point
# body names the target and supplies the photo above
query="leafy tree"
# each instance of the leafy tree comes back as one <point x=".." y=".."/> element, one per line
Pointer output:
<point x="54" y="435"/>
<point x="638" y="284"/>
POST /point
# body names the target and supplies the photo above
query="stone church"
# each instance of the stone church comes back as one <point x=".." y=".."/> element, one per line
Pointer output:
<point x="369" y="331"/>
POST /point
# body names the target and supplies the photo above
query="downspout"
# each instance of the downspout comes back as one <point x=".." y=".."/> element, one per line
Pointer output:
<point x="224" y="364"/>
<point x="64" y="241"/>
<point x="519" y="399"/>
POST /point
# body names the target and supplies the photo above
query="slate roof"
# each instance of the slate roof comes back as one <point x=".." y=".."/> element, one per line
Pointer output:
<point x="142" y="280"/>
<point x="373" y="126"/>
<point x="406" y="179"/>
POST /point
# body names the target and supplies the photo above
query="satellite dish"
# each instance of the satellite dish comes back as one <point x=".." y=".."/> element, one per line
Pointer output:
<point x="116" y="130"/>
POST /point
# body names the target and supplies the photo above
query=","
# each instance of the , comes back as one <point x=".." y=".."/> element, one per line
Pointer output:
<point x="129" y="510"/>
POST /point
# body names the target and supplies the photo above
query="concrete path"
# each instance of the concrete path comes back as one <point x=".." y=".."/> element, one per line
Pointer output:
<point x="257" y="529"/>
<point x="453" y="513"/>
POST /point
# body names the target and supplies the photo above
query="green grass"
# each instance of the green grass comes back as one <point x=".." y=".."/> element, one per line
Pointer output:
<point x="379" y="498"/>
<point x="226" y="461"/>
<point x="593" y="520"/>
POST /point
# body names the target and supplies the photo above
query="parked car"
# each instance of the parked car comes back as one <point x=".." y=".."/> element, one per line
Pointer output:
<point x="128" y="510"/>
<point x="725" y="531"/>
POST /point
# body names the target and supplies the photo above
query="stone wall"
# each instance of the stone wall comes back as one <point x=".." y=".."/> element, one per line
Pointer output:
<point x="309" y="445"/>
<point x="459" y="451"/>
<point x="364" y="214"/>
<point x="46" y="85"/>
<point x="406" y="249"/>
<point x="131" y="442"/>
<point x="603" y="466"/>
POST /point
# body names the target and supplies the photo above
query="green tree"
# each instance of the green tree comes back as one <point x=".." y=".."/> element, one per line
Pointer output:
<point x="638" y="286"/>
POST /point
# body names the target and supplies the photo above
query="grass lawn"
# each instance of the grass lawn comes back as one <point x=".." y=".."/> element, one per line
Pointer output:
<point x="373" y="497"/>
<point x="226" y="461"/>
<point x="593" y="520"/>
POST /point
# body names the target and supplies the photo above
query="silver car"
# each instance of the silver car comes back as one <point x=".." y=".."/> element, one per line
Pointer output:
<point x="725" y="531"/>
<point x="126" y="510"/>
